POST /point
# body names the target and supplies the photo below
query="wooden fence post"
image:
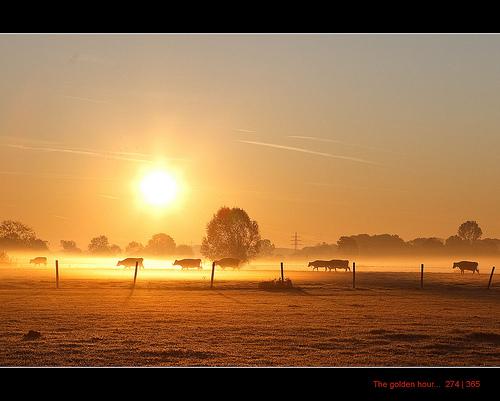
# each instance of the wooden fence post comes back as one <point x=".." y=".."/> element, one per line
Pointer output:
<point x="422" y="275"/>
<point x="491" y="276"/>
<point x="353" y="274"/>
<point x="282" y="277"/>
<point x="57" y="274"/>
<point x="135" y="274"/>
<point x="212" y="278"/>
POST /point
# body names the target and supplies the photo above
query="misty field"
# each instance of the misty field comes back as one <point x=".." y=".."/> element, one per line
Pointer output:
<point x="173" y="318"/>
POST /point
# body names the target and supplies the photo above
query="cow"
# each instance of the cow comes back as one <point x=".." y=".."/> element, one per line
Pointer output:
<point x="319" y="263"/>
<point x="338" y="264"/>
<point x="187" y="263"/>
<point x="465" y="265"/>
<point x="39" y="260"/>
<point x="228" y="262"/>
<point x="130" y="262"/>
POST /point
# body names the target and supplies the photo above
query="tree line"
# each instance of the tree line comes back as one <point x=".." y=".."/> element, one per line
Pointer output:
<point x="467" y="241"/>
<point x="231" y="233"/>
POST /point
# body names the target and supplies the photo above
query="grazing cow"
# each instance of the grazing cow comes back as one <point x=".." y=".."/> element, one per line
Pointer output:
<point x="228" y="262"/>
<point x="130" y="262"/>
<point x="464" y="265"/>
<point x="338" y="264"/>
<point x="187" y="263"/>
<point x="39" y="260"/>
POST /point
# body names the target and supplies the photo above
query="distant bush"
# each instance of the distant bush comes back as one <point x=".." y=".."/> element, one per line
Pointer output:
<point x="276" y="284"/>
<point x="4" y="259"/>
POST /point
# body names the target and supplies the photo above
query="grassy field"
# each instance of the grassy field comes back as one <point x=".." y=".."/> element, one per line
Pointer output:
<point x="173" y="318"/>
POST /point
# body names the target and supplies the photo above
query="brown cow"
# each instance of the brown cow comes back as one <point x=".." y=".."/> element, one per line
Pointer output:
<point x="228" y="262"/>
<point x="39" y="261"/>
<point x="187" y="263"/>
<point x="465" y="265"/>
<point x="130" y="262"/>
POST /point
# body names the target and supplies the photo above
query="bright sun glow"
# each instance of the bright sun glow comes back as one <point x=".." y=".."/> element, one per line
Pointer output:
<point x="159" y="188"/>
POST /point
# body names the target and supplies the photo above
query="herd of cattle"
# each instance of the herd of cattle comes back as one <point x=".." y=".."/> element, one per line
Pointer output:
<point x="236" y="264"/>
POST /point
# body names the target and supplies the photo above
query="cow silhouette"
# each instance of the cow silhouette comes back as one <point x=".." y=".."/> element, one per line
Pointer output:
<point x="39" y="260"/>
<point x="130" y="262"/>
<point x="466" y="265"/>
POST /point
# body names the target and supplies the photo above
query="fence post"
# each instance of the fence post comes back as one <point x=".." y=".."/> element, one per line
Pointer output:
<point x="135" y="274"/>
<point x="212" y="278"/>
<point x="353" y="274"/>
<point x="422" y="275"/>
<point x="57" y="274"/>
<point x="491" y="276"/>
<point x="282" y="277"/>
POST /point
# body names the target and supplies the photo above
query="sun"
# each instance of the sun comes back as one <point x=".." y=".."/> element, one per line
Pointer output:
<point x="159" y="188"/>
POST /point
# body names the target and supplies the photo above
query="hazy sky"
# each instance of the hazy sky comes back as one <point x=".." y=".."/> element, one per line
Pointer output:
<point x="324" y="135"/>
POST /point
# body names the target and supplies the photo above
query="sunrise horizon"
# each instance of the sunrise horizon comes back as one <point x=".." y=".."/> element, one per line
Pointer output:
<point x="251" y="200"/>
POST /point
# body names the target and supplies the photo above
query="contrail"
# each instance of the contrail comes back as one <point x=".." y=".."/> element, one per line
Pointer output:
<point x="310" y="152"/>
<point x="347" y="143"/>
<point x="241" y="130"/>
<point x="50" y="175"/>
<point x="62" y="217"/>
<point x="95" y="153"/>
<point x="85" y="99"/>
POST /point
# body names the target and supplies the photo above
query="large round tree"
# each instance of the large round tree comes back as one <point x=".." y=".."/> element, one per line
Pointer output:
<point x="231" y="234"/>
<point x="470" y="231"/>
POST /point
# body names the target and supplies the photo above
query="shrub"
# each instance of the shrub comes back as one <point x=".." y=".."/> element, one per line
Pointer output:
<point x="276" y="284"/>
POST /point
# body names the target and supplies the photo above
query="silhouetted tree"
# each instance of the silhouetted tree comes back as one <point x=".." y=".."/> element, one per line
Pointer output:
<point x="99" y="244"/>
<point x="470" y="231"/>
<point x="427" y="243"/>
<point x="184" y="250"/>
<point x="16" y="235"/>
<point x="319" y="251"/>
<point x="347" y="246"/>
<point x="454" y="243"/>
<point x="266" y="248"/>
<point x="70" y="247"/>
<point x="379" y="243"/>
<point x="161" y="244"/>
<point x="134" y="248"/>
<point x="231" y="233"/>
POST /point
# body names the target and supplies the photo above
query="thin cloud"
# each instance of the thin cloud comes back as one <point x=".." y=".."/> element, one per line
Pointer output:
<point x="116" y="155"/>
<point x="242" y="130"/>
<point x="347" y="143"/>
<point x="85" y="99"/>
<point x="51" y="175"/>
<point x="321" y="184"/>
<point x="302" y="150"/>
<point x="62" y="217"/>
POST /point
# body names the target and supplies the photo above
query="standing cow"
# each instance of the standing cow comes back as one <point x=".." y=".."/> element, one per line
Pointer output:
<point x="187" y="263"/>
<point x="465" y="265"/>
<point x="319" y="263"/>
<point x="228" y="262"/>
<point x="130" y="262"/>
<point x="330" y="264"/>
<point x="338" y="264"/>
<point x="39" y="261"/>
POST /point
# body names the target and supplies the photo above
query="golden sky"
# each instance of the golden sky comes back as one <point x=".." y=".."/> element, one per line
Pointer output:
<point x="324" y="135"/>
